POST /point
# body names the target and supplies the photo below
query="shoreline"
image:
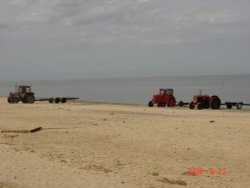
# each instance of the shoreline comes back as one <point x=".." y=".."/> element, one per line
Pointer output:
<point x="81" y="101"/>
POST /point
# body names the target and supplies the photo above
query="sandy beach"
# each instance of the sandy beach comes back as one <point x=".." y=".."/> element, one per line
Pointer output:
<point x="101" y="145"/>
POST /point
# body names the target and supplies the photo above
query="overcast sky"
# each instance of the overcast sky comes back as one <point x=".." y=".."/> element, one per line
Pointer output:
<point x="55" y="39"/>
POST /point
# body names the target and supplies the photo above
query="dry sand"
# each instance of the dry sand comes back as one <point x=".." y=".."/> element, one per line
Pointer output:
<point x="110" y="146"/>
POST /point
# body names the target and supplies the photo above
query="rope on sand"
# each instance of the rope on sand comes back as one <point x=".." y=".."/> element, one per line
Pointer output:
<point x="22" y="131"/>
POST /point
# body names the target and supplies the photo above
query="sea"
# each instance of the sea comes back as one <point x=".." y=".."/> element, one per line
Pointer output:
<point x="233" y="88"/>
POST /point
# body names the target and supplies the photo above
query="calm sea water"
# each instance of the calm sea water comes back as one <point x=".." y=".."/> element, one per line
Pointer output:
<point x="140" y="90"/>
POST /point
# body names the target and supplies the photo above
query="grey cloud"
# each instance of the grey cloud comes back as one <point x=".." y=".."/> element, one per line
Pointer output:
<point x="157" y="21"/>
<point x="2" y="26"/>
<point x="80" y="31"/>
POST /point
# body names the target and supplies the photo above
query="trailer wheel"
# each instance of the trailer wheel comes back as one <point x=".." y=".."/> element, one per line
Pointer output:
<point x="64" y="100"/>
<point x="239" y="105"/>
<point x="215" y="102"/>
<point x="150" y="104"/>
<point x="181" y="104"/>
<point x="191" y="106"/>
<point x="57" y="100"/>
<point x="51" y="100"/>
<point x="199" y="106"/>
<point x="229" y="105"/>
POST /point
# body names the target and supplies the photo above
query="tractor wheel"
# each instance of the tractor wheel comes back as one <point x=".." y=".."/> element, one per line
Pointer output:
<point x="10" y="100"/>
<point x="171" y="101"/>
<point x="64" y="100"/>
<point x="191" y="106"/>
<point x="229" y="105"/>
<point x="199" y="106"/>
<point x="150" y="104"/>
<point x="239" y="105"/>
<point x="215" y="102"/>
<point x="51" y="100"/>
<point x="15" y="99"/>
<point x="30" y="99"/>
<point x="57" y="100"/>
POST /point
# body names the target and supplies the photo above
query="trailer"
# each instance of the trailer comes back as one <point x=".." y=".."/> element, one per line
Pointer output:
<point x="238" y="105"/>
<point x="57" y="99"/>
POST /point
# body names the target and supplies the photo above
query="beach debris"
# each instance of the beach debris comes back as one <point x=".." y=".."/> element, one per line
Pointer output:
<point x="189" y="174"/>
<point x="22" y="131"/>
<point x="155" y="174"/>
<point x="118" y="163"/>
<point x="211" y="121"/>
<point x="8" y="184"/>
<point x="96" y="168"/>
<point x="36" y="129"/>
<point x="174" y="182"/>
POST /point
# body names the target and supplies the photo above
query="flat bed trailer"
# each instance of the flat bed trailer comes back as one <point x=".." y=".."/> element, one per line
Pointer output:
<point x="229" y="105"/>
<point x="238" y="105"/>
<point x="57" y="99"/>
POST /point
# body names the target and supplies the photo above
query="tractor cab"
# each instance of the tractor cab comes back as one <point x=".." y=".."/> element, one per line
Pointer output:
<point x="24" y="89"/>
<point x="201" y="98"/>
<point x="166" y="92"/>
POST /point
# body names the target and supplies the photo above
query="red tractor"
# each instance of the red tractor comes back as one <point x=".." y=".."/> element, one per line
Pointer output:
<point x="22" y="93"/>
<point x="205" y="102"/>
<point x="164" y="98"/>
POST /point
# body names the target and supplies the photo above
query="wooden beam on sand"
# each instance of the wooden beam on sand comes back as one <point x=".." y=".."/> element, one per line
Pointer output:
<point x="22" y="131"/>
